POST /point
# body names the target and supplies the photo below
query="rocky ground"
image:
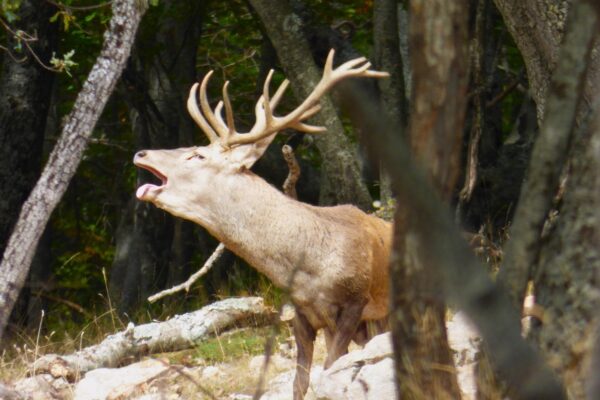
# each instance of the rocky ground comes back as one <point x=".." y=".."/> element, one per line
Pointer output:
<point x="364" y="373"/>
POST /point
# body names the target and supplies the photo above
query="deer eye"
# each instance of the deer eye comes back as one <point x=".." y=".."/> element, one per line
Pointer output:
<point x="197" y="156"/>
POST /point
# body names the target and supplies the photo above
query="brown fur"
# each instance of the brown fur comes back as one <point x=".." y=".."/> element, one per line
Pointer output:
<point x="334" y="260"/>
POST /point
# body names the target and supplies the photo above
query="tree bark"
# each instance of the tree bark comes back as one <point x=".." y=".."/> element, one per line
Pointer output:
<point x="549" y="155"/>
<point x="566" y="279"/>
<point x="26" y="90"/>
<point x="566" y="282"/>
<point x="67" y="154"/>
<point x="341" y="178"/>
<point x="438" y="45"/>
<point x="537" y="28"/>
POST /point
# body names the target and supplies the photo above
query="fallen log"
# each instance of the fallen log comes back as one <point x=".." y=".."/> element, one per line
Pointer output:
<point x="180" y="332"/>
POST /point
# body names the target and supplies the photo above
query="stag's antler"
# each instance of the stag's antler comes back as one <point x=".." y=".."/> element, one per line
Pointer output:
<point x="218" y="130"/>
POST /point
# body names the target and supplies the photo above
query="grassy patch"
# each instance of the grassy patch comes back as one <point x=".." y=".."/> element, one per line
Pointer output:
<point x="232" y="346"/>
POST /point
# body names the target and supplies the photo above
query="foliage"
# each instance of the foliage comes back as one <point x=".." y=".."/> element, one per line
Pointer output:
<point x="8" y="9"/>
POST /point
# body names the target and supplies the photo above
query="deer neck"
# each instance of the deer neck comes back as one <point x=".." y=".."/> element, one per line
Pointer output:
<point x="258" y="223"/>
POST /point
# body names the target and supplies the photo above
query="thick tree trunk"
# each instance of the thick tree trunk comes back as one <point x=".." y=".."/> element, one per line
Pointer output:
<point x="566" y="281"/>
<point x="341" y="178"/>
<point x="438" y="44"/>
<point x="549" y="152"/>
<point x="537" y="28"/>
<point x="26" y="96"/>
<point x="566" y="278"/>
<point x="153" y="248"/>
<point x="67" y="154"/>
<point x="26" y="90"/>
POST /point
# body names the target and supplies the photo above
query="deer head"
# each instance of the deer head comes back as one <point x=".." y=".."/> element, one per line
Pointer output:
<point x="231" y="152"/>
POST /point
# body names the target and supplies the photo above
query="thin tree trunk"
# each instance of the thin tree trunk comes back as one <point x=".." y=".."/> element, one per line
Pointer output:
<point x="67" y="153"/>
<point x="387" y="58"/>
<point x="438" y="45"/>
<point x="341" y="177"/>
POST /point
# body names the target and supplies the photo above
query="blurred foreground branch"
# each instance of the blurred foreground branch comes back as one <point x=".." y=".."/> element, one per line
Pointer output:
<point x="465" y="281"/>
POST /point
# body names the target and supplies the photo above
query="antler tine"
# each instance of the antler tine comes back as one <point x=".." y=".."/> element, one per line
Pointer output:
<point x="228" y="113"/>
<point x="192" y="106"/>
<point x="267" y="124"/>
<point x="266" y="101"/>
<point x="279" y="93"/>
<point x="217" y="125"/>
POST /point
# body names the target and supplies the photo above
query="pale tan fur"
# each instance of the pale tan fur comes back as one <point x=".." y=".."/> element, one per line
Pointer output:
<point x="333" y="260"/>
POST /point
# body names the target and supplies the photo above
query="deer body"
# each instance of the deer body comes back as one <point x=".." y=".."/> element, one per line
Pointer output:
<point x="333" y="260"/>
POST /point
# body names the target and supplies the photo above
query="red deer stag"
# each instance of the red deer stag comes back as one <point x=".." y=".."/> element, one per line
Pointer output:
<point x="333" y="260"/>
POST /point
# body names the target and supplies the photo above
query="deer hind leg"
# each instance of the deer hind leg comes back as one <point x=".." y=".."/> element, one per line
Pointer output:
<point x="361" y="336"/>
<point x="305" y="337"/>
<point x="347" y="323"/>
<point x="367" y="330"/>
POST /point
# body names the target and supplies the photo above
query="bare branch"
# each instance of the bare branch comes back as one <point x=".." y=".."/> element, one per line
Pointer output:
<point x="289" y="186"/>
<point x="197" y="275"/>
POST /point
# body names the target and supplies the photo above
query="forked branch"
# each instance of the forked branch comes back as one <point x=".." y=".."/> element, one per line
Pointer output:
<point x="223" y="131"/>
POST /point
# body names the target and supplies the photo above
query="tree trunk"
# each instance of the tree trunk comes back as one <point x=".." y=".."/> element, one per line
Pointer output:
<point x="26" y="96"/>
<point x="26" y="90"/>
<point x="153" y="248"/>
<point x="537" y="28"/>
<point x="387" y="58"/>
<point x="566" y="281"/>
<point x="438" y="39"/>
<point x="566" y="277"/>
<point x="67" y="154"/>
<point x="341" y="180"/>
<point x="549" y="154"/>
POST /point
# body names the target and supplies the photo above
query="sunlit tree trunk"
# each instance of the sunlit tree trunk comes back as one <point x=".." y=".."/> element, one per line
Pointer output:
<point x="67" y="153"/>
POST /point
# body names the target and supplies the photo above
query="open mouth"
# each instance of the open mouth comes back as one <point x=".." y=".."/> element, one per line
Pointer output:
<point x="149" y="188"/>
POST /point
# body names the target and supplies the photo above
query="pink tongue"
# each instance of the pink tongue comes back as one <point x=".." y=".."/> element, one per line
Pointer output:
<point x="142" y="190"/>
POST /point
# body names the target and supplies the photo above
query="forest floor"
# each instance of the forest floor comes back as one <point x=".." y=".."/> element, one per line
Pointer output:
<point x="229" y="366"/>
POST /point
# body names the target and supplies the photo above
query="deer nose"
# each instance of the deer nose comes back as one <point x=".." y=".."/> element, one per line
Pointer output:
<point x="140" y="154"/>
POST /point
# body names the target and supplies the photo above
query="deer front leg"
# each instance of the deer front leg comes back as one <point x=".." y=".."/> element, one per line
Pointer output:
<point x="346" y="326"/>
<point x="305" y="338"/>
